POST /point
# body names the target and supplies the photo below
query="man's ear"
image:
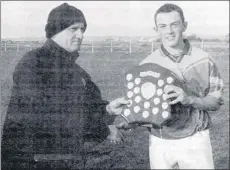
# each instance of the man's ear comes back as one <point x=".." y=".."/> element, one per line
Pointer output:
<point x="185" y="25"/>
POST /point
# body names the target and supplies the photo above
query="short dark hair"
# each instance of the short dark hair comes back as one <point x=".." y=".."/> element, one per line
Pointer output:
<point x="166" y="8"/>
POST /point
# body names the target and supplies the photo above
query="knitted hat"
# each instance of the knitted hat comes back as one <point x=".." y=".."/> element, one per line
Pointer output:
<point x="61" y="18"/>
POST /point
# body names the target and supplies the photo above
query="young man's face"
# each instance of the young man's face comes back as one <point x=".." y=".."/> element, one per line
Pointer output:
<point x="170" y="28"/>
<point x="71" y="38"/>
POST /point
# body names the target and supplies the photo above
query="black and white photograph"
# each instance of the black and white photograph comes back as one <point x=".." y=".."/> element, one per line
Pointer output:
<point x="114" y="85"/>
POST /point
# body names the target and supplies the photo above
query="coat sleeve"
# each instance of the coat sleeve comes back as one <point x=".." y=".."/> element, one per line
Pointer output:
<point x="98" y="119"/>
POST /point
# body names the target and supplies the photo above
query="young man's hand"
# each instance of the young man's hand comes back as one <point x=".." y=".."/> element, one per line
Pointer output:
<point x="115" y="107"/>
<point x="212" y="101"/>
<point x="126" y="126"/>
<point x="176" y="94"/>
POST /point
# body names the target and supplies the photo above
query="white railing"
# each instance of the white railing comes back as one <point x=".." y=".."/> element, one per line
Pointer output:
<point x="111" y="46"/>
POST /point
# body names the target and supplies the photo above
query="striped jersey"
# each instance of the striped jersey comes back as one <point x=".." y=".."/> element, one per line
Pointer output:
<point x="198" y="71"/>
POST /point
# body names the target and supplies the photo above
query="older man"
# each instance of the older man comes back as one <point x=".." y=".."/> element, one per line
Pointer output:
<point x="54" y="106"/>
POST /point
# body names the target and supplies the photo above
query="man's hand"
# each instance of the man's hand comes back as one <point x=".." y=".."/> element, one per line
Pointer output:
<point x="115" y="136"/>
<point x="115" y="107"/>
<point x="178" y="94"/>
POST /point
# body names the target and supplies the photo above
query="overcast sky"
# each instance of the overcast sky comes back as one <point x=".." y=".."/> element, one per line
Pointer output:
<point x="114" y="18"/>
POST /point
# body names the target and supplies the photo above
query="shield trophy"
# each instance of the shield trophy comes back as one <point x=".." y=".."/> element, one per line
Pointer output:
<point x="145" y="90"/>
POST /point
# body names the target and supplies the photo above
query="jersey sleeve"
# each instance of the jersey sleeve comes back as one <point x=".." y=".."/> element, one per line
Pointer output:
<point x="216" y="84"/>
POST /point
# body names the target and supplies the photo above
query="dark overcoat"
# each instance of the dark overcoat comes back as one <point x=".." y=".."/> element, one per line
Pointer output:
<point x="54" y="108"/>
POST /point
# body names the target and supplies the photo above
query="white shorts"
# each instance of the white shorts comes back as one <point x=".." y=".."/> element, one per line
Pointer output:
<point x="193" y="152"/>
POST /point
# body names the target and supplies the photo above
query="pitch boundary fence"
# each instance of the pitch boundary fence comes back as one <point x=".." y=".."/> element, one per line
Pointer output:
<point x="112" y="46"/>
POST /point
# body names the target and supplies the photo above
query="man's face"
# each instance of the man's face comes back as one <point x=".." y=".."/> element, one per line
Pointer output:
<point x="170" y="28"/>
<point x="71" y="38"/>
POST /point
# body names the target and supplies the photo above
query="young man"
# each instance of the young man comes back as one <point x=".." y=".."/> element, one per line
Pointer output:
<point x="185" y="141"/>
<point x="54" y="106"/>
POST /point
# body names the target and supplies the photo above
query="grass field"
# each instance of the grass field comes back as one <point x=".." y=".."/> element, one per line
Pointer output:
<point x="107" y="71"/>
